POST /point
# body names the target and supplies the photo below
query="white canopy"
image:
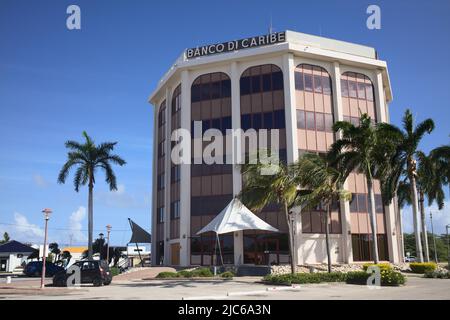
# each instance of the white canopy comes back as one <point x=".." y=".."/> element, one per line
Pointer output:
<point x="236" y="217"/>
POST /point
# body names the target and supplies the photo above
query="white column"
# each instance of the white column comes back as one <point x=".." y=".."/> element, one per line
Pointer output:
<point x="185" y="175"/>
<point x="236" y="147"/>
<point x="167" y="166"/>
<point x="346" y="244"/>
<point x="392" y="235"/>
<point x="291" y="142"/>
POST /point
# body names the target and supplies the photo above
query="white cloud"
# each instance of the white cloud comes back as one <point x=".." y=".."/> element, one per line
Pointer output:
<point x="441" y="218"/>
<point x="23" y="230"/>
<point x="75" y="224"/>
<point x="40" y="181"/>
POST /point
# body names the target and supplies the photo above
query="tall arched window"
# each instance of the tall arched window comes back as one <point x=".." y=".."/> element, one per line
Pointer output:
<point x="175" y="169"/>
<point x="357" y="94"/>
<point x="161" y="123"/>
<point x="262" y="107"/>
<point x="314" y="108"/>
<point x="211" y="185"/>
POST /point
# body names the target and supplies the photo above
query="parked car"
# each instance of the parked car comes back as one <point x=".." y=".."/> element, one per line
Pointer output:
<point x="34" y="269"/>
<point x="91" y="271"/>
<point x="410" y="259"/>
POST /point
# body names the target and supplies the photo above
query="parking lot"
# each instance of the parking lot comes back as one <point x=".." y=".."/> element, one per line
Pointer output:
<point x="236" y="289"/>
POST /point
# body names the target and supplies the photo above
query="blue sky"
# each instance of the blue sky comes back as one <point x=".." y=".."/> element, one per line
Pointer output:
<point x="55" y="83"/>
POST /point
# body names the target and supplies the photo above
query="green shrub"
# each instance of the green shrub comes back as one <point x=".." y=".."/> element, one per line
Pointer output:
<point x="167" y="274"/>
<point x="440" y="274"/>
<point x="389" y="277"/>
<point x="227" y="275"/>
<point x="422" y="267"/>
<point x="382" y="266"/>
<point x="185" y="274"/>
<point x="302" y="278"/>
<point x="202" y="272"/>
<point x="114" y="271"/>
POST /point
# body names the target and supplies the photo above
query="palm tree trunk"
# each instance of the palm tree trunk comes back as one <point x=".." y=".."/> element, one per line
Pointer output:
<point x="373" y="219"/>
<point x="424" y="227"/>
<point x="415" y="208"/>
<point x="400" y="220"/>
<point x="291" y="238"/>
<point x="327" y="237"/>
<point x="90" y="218"/>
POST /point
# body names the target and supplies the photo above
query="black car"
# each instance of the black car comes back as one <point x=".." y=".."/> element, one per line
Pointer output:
<point x="91" y="271"/>
<point x="34" y="269"/>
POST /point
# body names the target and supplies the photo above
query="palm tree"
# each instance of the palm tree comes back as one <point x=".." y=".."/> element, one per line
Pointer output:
<point x="54" y="248"/>
<point x="361" y="149"/>
<point x="261" y="189"/>
<point x="429" y="185"/>
<point x="321" y="187"/>
<point x="88" y="157"/>
<point x="403" y="162"/>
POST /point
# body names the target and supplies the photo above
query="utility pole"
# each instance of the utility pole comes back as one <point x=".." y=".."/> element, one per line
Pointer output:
<point x="434" y="239"/>
<point x="47" y="213"/>
<point x="108" y="230"/>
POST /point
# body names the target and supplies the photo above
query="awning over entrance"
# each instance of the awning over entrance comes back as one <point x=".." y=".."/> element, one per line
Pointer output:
<point x="236" y="217"/>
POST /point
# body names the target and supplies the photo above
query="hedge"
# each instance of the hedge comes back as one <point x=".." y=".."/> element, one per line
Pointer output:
<point x="196" y="273"/>
<point x="114" y="271"/>
<point x="422" y="267"/>
<point x="302" y="278"/>
<point x="382" y="266"/>
<point x="167" y="274"/>
<point x="442" y="274"/>
<point x="227" y="275"/>
<point x="388" y="277"/>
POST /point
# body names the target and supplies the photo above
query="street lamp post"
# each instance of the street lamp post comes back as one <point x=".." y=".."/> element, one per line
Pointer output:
<point x="47" y="213"/>
<point x="108" y="230"/>
<point x="434" y="239"/>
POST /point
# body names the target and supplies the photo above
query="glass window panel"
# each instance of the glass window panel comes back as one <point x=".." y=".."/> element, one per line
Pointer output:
<point x="301" y="119"/>
<point x="326" y="84"/>
<point x="369" y="91"/>
<point x="257" y="122"/>
<point x="279" y="122"/>
<point x="267" y="82"/>
<point x="196" y="93"/>
<point x="245" y="85"/>
<point x="226" y="88"/>
<point x="267" y="120"/>
<point x="206" y="92"/>
<point x="215" y="90"/>
<point x="256" y="84"/>
<point x="362" y="202"/>
<point x="246" y="122"/>
<point x="320" y="121"/>
<point x="308" y="82"/>
<point x="277" y="80"/>
<point x="226" y="123"/>
<point x="344" y="88"/>
<point x="361" y="90"/>
<point x="317" y="83"/>
<point x="352" y="88"/>
<point x="378" y="203"/>
<point x="328" y="122"/>
<point x="353" y="204"/>
<point x="299" y="85"/>
<point x="310" y="120"/>
<point x="216" y="124"/>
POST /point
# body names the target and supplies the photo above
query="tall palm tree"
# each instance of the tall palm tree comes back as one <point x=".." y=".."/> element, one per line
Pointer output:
<point x="361" y="148"/>
<point x="88" y="157"/>
<point x="441" y="157"/>
<point x="261" y="189"/>
<point x="404" y="162"/>
<point x="321" y="185"/>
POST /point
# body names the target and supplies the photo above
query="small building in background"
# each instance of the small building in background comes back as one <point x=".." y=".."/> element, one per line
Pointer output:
<point x="75" y="252"/>
<point x="13" y="255"/>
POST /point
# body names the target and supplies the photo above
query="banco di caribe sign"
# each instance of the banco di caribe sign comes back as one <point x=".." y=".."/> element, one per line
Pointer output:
<point x="228" y="46"/>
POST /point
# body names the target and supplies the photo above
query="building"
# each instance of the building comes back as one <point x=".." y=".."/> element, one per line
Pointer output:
<point x="294" y="82"/>
<point x="14" y="254"/>
<point x="75" y="252"/>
